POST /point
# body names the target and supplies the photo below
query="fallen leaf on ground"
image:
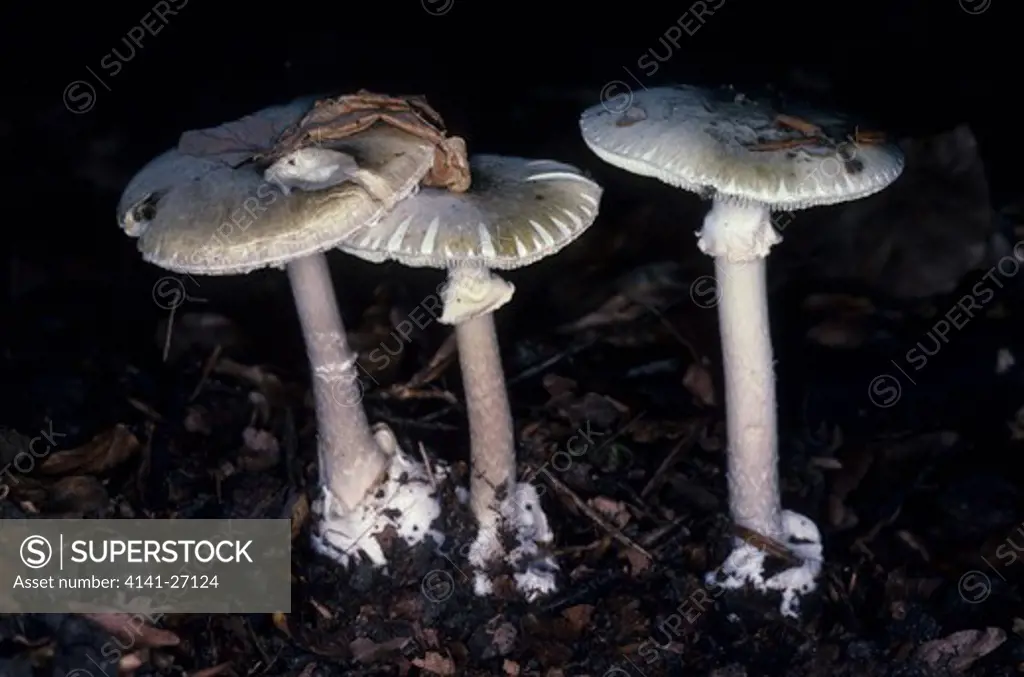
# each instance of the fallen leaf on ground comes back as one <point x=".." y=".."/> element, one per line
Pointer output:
<point x="258" y="376"/>
<point x="957" y="652"/>
<point x="261" y="451"/>
<point x="77" y="494"/>
<point x="634" y="294"/>
<point x="600" y="411"/>
<point x="579" y="616"/>
<point x="105" y="451"/>
<point x="298" y="512"/>
<point x="699" y="383"/>
<point x="616" y="511"/>
<point x="638" y="562"/>
<point x="215" y="671"/>
<point x="366" y="651"/>
<point x="558" y="386"/>
<point x="280" y="620"/>
<point x="435" y="663"/>
<point x="136" y="635"/>
<point x="503" y="640"/>
<point x="197" y="420"/>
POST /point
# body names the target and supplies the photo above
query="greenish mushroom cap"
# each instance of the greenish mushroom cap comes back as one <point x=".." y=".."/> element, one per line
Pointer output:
<point x="516" y="212"/>
<point x="213" y="213"/>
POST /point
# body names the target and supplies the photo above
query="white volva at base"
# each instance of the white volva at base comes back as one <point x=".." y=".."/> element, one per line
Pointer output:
<point x="406" y="500"/>
<point x="523" y="517"/>
<point x="745" y="565"/>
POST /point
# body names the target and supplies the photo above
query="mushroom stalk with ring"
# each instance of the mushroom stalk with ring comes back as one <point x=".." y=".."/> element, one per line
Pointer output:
<point x="471" y="296"/>
<point x="739" y="235"/>
<point x="351" y="462"/>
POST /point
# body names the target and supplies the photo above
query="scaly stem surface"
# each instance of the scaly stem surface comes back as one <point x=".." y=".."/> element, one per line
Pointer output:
<point x="350" y="460"/>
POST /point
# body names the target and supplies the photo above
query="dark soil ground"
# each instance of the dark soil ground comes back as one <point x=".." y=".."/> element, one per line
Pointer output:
<point x="912" y="471"/>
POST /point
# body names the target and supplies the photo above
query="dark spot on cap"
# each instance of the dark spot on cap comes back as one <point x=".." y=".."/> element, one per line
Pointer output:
<point x="853" y="166"/>
<point x="631" y="116"/>
<point x="145" y="209"/>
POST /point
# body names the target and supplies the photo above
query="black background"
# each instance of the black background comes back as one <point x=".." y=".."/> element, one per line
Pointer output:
<point x="913" y="65"/>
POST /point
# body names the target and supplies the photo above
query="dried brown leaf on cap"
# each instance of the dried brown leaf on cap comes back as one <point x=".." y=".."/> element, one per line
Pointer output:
<point x="332" y="119"/>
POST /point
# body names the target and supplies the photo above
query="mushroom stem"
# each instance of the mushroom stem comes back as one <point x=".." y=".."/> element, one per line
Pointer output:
<point x="492" y="441"/>
<point x="739" y="237"/>
<point x="350" y="460"/>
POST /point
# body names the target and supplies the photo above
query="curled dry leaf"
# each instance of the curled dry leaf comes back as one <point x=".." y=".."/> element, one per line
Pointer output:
<point x="558" y="386"/>
<point x="197" y="420"/>
<point x="699" y="383"/>
<point x="503" y="641"/>
<point x="280" y="621"/>
<point x="333" y="119"/>
<point x="957" y="652"/>
<point x="215" y="671"/>
<point x="578" y="617"/>
<point x="616" y="511"/>
<point x="77" y="494"/>
<point x="135" y="636"/>
<point x="600" y="411"/>
<point x="367" y="652"/>
<point x="436" y="664"/>
<point x="633" y="295"/>
<point x="298" y="512"/>
<point x="105" y="451"/>
<point x="261" y="451"/>
<point x="134" y="631"/>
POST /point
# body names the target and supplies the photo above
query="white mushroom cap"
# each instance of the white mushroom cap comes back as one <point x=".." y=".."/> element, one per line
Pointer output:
<point x="202" y="215"/>
<point x="697" y="139"/>
<point x="516" y="212"/>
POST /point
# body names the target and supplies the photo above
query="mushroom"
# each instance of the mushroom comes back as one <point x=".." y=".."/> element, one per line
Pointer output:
<point x="750" y="159"/>
<point x="517" y="211"/>
<point x="210" y="213"/>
